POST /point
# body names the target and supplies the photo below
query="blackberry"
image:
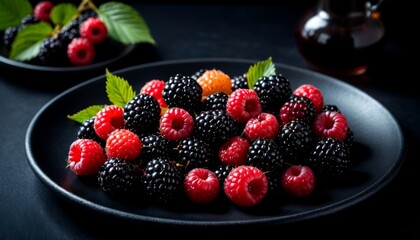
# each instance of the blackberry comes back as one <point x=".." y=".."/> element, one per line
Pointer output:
<point x="119" y="177"/>
<point x="183" y="92"/>
<point x="87" y="130"/>
<point x="298" y="108"/>
<point x="162" y="181"/>
<point x="198" y="74"/>
<point x="155" y="145"/>
<point x="349" y="139"/>
<point x="330" y="108"/>
<point x="295" y="140"/>
<point x="9" y="36"/>
<point x="216" y="101"/>
<point x="142" y="114"/>
<point x="239" y="82"/>
<point x="265" y="154"/>
<point x="330" y="157"/>
<point x="28" y="19"/>
<point x="215" y="127"/>
<point x="222" y="172"/>
<point x="274" y="184"/>
<point x="71" y="30"/>
<point x="273" y="92"/>
<point x="52" y="52"/>
<point x="194" y="152"/>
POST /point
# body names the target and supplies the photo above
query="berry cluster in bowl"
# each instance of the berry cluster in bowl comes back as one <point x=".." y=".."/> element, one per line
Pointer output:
<point x="65" y="35"/>
<point x="208" y="136"/>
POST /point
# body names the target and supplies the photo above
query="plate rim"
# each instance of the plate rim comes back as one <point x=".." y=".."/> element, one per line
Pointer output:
<point x="360" y="196"/>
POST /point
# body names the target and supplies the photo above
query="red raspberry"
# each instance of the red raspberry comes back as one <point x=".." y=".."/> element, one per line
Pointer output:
<point x="264" y="125"/>
<point x="246" y="185"/>
<point x="42" y="10"/>
<point x="243" y="104"/>
<point x="176" y="124"/>
<point x="123" y="144"/>
<point x="201" y="185"/>
<point x="94" y="30"/>
<point x="85" y="157"/>
<point x="81" y="52"/>
<point x="234" y="151"/>
<point x="298" y="180"/>
<point x="154" y="88"/>
<point x="330" y="124"/>
<point x="108" y="119"/>
<point x="313" y="93"/>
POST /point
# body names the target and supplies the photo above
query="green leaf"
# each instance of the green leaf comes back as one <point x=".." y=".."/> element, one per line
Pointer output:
<point x="261" y="68"/>
<point x="119" y="91"/>
<point x="27" y="42"/>
<point x="12" y="12"/>
<point x="85" y="114"/>
<point x="124" y="23"/>
<point x="62" y="13"/>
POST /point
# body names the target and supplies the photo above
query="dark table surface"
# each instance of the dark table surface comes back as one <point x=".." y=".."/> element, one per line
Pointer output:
<point x="30" y="210"/>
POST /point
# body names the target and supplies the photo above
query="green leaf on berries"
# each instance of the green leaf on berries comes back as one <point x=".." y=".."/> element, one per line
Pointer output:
<point x="63" y="13"/>
<point x="85" y="114"/>
<point x="124" y="23"/>
<point x="12" y="12"/>
<point x="118" y="89"/>
<point x="27" y="42"/>
<point x="260" y="69"/>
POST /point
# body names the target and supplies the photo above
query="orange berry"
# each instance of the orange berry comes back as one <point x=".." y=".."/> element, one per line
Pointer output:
<point x="212" y="81"/>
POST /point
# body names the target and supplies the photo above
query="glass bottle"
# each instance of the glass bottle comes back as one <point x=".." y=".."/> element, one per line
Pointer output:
<point x="341" y="37"/>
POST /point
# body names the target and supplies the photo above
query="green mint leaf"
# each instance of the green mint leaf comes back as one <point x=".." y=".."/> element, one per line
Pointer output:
<point x="119" y="91"/>
<point x="261" y="68"/>
<point x="12" y="12"/>
<point x="124" y="23"/>
<point x="85" y="114"/>
<point x="27" y="42"/>
<point x="62" y="13"/>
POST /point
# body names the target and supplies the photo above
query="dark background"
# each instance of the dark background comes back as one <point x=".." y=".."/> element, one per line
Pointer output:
<point x="29" y="209"/>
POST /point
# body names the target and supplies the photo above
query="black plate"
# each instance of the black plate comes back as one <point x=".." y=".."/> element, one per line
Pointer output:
<point x="376" y="162"/>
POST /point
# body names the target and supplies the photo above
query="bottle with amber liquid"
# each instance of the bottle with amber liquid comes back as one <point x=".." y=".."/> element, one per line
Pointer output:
<point x="341" y="37"/>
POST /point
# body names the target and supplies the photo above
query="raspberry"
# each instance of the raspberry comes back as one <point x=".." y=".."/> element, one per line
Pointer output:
<point x="94" y="30"/>
<point x="214" y="80"/>
<point x="264" y="125"/>
<point x="234" y="151"/>
<point x="154" y="88"/>
<point x="108" y="119"/>
<point x="81" y="52"/>
<point x="298" y="181"/>
<point x="201" y="185"/>
<point x="176" y="124"/>
<point x="246" y="186"/>
<point x="297" y="108"/>
<point x="42" y="10"/>
<point x="313" y="93"/>
<point x="330" y="124"/>
<point x="123" y="144"/>
<point x="85" y="157"/>
<point x="243" y="104"/>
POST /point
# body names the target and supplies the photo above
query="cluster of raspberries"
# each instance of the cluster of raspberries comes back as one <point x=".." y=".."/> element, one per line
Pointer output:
<point x="205" y="136"/>
<point x="81" y="42"/>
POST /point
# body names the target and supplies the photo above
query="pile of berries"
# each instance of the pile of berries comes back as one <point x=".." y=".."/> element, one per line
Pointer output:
<point x="81" y="42"/>
<point x="205" y="136"/>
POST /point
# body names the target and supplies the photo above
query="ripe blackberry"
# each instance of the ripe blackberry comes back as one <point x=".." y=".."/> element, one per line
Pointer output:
<point x="53" y="52"/>
<point x="71" y="30"/>
<point x="183" y="92"/>
<point x="265" y="154"/>
<point x="216" y="101"/>
<point x="297" y="108"/>
<point x="155" y="145"/>
<point x="194" y="152"/>
<point x="273" y="92"/>
<point x="9" y="36"/>
<point x="28" y="19"/>
<point x="198" y="74"/>
<point x="295" y="140"/>
<point x="87" y="130"/>
<point x="330" y="108"/>
<point x="330" y="157"/>
<point x="274" y="184"/>
<point x="162" y="181"/>
<point x="119" y="177"/>
<point x="215" y="127"/>
<point x="350" y="138"/>
<point x="142" y="114"/>
<point x="239" y="81"/>
<point x="222" y="172"/>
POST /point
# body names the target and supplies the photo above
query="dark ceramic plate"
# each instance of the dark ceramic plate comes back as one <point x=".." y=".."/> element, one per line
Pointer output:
<point x="375" y="162"/>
